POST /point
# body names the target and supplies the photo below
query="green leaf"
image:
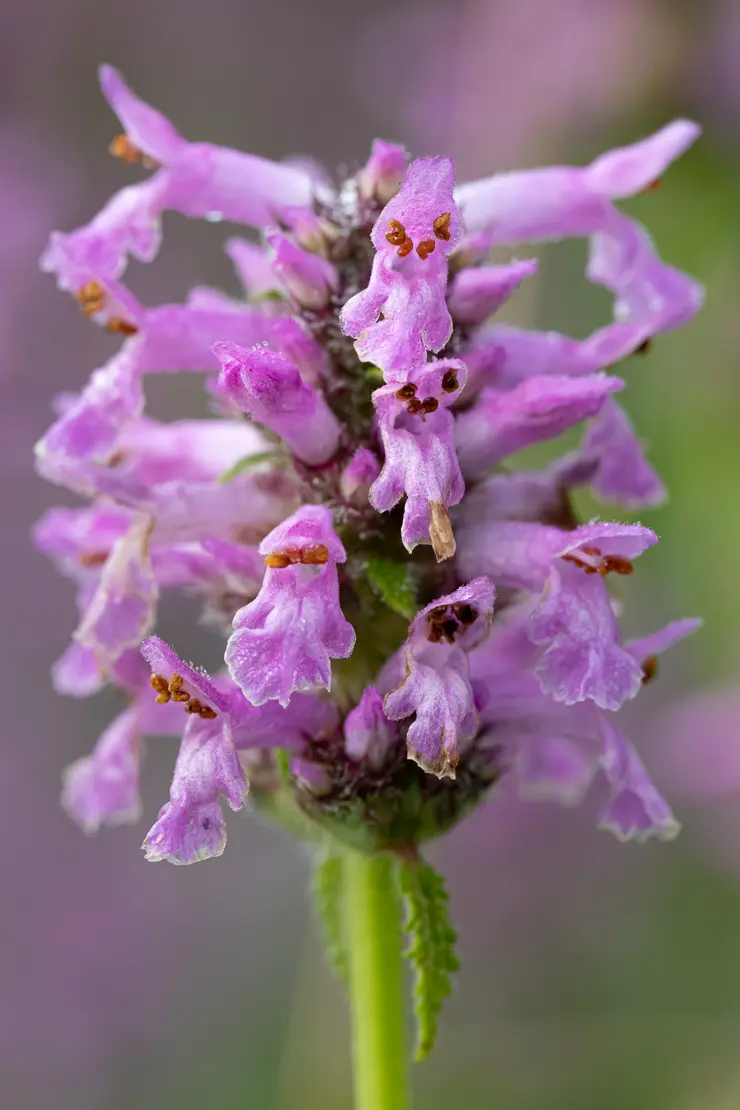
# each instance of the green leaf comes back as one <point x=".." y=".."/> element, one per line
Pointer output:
<point x="282" y="764"/>
<point x="390" y="581"/>
<point x="431" y="948"/>
<point x="373" y="373"/>
<point x="266" y="297"/>
<point x="248" y="462"/>
<point x="328" y="902"/>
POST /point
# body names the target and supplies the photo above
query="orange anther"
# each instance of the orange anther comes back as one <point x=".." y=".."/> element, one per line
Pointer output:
<point x="90" y="297"/>
<point x="316" y="555"/>
<point x="122" y="147"/>
<point x="277" y="561"/>
<point x="396" y="234"/>
<point x="118" y="326"/>
<point x="441" y="225"/>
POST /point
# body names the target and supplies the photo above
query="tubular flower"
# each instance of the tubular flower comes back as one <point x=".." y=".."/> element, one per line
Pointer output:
<point x="283" y="640"/>
<point x="403" y="621"/>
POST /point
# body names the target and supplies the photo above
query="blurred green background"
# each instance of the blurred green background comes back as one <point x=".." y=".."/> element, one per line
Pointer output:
<point x="594" y="974"/>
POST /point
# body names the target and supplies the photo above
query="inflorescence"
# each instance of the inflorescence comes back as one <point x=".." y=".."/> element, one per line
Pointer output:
<point x="355" y="476"/>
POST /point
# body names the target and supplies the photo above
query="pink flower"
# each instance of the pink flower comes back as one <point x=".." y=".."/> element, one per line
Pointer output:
<point x="417" y="432"/>
<point x="376" y="379"/>
<point x="414" y="234"/>
<point x="283" y="641"/>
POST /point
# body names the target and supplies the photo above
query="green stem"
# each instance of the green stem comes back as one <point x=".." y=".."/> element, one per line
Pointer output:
<point x="376" y="984"/>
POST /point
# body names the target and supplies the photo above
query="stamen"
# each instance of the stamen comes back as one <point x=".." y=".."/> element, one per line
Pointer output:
<point x="396" y="236"/>
<point x="89" y="559"/>
<point x="449" y="628"/>
<point x="406" y="248"/>
<point x="616" y="563"/>
<point x="406" y="392"/>
<point x="178" y="694"/>
<point x="122" y="147"/>
<point x="201" y="710"/>
<point x="436" y="631"/>
<point x="159" y="683"/>
<point x="589" y="568"/>
<point x="90" y="297"/>
<point x="440" y="531"/>
<point x="118" y="326"/>
<point x="466" y="614"/>
<point x="649" y="669"/>
<point x="450" y="382"/>
<point x="570" y="558"/>
<point x="313" y="555"/>
<point x="425" y="248"/>
<point x="316" y="555"/>
<point x="447" y="624"/>
<point x="653" y="186"/>
<point x="442" y="225"/>
<point x="644" y="348"/>
<point x="430" y="404"/>
<point x="414" y="407"/>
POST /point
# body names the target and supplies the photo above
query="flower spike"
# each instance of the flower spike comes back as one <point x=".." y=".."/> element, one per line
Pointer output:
<point x="357" y="475"/>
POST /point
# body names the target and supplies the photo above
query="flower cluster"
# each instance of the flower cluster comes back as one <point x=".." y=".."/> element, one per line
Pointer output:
<point x="354" y="474"/>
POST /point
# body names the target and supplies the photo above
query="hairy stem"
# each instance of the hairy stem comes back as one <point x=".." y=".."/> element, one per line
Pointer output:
<point x="376" y="984"/>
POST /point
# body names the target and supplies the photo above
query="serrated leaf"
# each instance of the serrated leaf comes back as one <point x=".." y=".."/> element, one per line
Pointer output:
<point x="328" y="903"/>
<point x="248" y="462"/>
<point x="431" y="947"/>
<point x="390" y="581"/>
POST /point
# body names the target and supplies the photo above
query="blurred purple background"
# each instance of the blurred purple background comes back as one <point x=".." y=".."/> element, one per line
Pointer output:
<point x="593" y="974"/>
